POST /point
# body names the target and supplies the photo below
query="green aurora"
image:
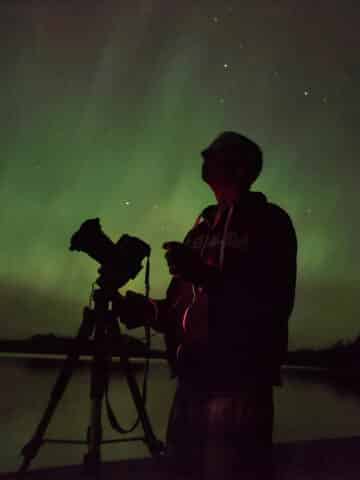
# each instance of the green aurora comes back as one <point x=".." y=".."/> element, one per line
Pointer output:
<point x="104" y="112"/>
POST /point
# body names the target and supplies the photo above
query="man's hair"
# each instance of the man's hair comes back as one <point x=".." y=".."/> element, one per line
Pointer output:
<point x="238" y="148"/>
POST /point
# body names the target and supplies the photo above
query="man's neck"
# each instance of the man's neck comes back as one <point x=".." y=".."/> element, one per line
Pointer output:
<point x="226" y="199"/>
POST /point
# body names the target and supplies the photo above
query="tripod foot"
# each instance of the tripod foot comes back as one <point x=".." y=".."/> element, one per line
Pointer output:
<point x="156" y="447"/>
<point x="29" y="452"/>
<point x="92" y="464"/>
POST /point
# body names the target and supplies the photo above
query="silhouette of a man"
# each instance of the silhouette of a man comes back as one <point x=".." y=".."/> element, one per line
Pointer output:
<point x="225" y="319"/>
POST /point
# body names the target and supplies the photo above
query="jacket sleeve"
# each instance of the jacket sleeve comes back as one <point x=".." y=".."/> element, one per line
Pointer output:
<point x="160" y="314"/>
<point x="275" y="281"/>
<point x="165" y="308"/>
<point x="275" y="264"/>
<point x="167" y="322"/>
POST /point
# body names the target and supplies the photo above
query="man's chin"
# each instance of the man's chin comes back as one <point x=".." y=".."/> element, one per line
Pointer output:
<point x="209" y="179"/>
<point x="206" y="179"/>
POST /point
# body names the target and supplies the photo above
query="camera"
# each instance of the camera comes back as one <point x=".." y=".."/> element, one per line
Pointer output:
<point x="119" y="261"/>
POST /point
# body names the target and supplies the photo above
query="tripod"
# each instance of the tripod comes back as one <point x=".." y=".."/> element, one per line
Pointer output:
<point x="101" y="322"/>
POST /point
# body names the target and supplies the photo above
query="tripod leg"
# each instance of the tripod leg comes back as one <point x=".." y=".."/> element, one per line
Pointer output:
<point x="92" y="459"/>
<point x="154" y="445"/>
<point x="99" y="378"/>
<point x="31" y="449"/>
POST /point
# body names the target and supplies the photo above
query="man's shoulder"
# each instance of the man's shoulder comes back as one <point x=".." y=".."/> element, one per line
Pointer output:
<point x="278" y="221"/>
<point x="277" y="213"/>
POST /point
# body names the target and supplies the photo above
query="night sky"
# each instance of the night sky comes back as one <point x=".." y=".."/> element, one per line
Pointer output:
<point x="104" y="111"/>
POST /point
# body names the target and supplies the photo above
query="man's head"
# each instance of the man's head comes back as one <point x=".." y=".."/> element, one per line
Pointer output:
<point x="232" y="162"/>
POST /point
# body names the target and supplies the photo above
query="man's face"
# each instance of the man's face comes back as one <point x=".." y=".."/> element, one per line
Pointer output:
<point x="218" y="172"/>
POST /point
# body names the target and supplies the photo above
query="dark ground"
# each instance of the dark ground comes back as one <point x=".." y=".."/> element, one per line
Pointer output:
<point x="318" y="459"/>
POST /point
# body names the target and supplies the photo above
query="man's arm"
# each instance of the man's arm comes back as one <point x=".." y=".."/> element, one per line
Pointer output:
<point x="135" y="310"/>
<point x="158" y="317"/>
<point x="278" y="263"/>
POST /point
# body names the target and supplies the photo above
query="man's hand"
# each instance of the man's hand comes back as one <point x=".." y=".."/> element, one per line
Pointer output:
<point x="134" y="310"/>
<point x="185" y="263"/>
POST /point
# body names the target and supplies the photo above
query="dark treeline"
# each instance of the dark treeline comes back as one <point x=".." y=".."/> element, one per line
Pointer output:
<point x="338" y="357"/>
<point x="341" y="355"/>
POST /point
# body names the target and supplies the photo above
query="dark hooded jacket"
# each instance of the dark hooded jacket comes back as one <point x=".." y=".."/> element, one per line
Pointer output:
<point x="234" y="331"/>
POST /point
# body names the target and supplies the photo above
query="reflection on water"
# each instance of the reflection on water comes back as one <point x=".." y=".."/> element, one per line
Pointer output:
<point x="307" y="407"/>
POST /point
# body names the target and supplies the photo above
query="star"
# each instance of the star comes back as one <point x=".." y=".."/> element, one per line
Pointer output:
<point x="216" y="19"/>
<point x="306" y="93"/>
<point x="226" y="66"/>
<point x="127" y="203"/>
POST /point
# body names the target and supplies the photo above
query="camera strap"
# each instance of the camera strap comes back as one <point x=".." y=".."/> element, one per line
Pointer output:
<point x="110" y="411"/>
<point x="112" y="418"/>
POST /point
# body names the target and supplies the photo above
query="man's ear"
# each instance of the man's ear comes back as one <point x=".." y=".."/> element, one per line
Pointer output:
<point x="241" y="175"/>
<point x="240" y="172"/>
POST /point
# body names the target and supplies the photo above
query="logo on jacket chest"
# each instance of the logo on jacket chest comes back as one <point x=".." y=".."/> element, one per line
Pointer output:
<point x="233" y="240"/>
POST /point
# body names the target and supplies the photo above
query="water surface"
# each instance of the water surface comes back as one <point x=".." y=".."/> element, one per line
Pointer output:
<point x="306" y="407"/>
